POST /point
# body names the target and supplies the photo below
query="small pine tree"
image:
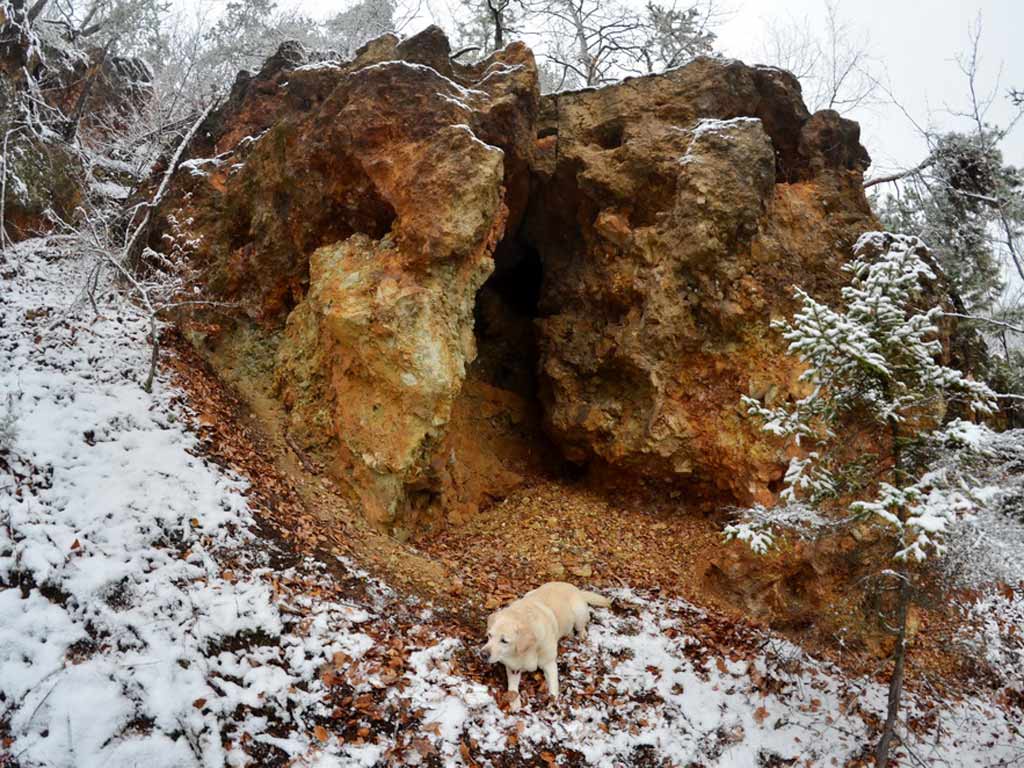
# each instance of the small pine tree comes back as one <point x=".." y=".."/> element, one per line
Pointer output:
<point x="873" y="363"/>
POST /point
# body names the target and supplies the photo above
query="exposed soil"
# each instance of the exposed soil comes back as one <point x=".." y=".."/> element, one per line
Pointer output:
<point x="550" y="526"/>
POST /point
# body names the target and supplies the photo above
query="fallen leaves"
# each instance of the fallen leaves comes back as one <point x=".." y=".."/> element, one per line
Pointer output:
<point x="548" y="532"/>
<point x="424" y="747"/>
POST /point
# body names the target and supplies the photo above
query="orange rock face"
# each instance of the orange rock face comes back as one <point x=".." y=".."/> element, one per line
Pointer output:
<point x="422" y="257"/>
<point x="353" y="210"/>
<point x="673" y="215"/>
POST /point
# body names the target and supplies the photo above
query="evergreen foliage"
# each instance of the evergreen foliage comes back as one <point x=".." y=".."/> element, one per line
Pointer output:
<point x="872" y="364"/>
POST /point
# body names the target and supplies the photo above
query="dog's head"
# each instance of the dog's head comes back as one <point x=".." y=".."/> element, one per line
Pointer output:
<point x="507" y="636"/>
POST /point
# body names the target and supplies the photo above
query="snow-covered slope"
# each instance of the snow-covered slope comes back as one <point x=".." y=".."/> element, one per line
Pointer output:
<point x="141" y="622"/>
<point x="112" y="532"/>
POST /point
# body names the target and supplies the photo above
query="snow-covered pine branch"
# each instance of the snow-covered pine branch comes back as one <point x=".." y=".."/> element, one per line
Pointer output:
<point x="873" y="365"/>
<point x="873" y="358"/>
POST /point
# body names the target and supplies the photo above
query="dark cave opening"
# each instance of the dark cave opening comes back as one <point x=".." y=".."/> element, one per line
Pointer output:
<point x="501" y="400"/>
<point x="497" y="433"/>
<point x="506" y="308"/>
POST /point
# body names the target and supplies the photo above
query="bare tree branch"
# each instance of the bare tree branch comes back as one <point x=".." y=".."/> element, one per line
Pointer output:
<point x="135" y="241"/>
<point x="900" y="174"/>
<point x="987" y="320"/>
<point x="35" y="10"/>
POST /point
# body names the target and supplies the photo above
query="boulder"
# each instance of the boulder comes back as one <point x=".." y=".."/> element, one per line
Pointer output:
<point x="350" y="212"/>
<point x="421" y="261"/>
<point x="673" y="215"/>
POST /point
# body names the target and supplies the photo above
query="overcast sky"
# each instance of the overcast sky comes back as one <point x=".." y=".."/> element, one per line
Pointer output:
<point x="913" y="43"/>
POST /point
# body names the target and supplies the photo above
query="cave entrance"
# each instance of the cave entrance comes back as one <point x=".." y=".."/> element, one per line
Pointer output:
<point x="506" y="307"/>
<point x="496" y="442"/>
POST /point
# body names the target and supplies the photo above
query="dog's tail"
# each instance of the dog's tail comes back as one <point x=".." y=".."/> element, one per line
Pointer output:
<point x="593" y="598"/>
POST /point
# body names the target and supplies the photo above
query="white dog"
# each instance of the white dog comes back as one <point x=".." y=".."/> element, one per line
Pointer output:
<point x="524" y="636"/>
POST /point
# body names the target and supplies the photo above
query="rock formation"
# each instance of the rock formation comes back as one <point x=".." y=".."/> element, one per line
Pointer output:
<point x="424" y="257"/>
<point x="355" y="208"/>
<point x="673" y="215"/>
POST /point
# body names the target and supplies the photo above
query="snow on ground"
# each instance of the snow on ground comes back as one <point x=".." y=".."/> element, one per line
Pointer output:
<point x="664" y="696"/>
<point x="111" y="527"/>
<point x="144" y="623"/>
<point x="999" y="637"/>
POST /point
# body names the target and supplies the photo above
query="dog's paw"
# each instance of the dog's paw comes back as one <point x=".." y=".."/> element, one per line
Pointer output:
<point x="515" y="703"/>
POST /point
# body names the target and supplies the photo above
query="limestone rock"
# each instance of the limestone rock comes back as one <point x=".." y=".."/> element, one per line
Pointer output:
<point x="673" y="215"/>
<point x="350" y="211"/>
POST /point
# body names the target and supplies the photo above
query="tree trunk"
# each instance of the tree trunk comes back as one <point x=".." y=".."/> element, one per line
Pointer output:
<point x="899" y="656"/>
<point x="36" y="9"/>
<point x="154" y="358"/>
<point x="583" y="50"/>
<point x="499" y="26"/>
<point x="899" y="653"/>
<point x="92" y="74"/>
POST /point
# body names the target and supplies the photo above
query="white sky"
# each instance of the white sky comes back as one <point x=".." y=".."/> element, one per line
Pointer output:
<point x="914" y="41"/>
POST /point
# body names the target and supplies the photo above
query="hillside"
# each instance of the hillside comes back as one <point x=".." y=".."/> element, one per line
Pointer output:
<point x="297" y="392"/>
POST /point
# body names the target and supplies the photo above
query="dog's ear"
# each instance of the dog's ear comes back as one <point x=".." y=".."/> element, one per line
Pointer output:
<point x="525" y="639"/>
